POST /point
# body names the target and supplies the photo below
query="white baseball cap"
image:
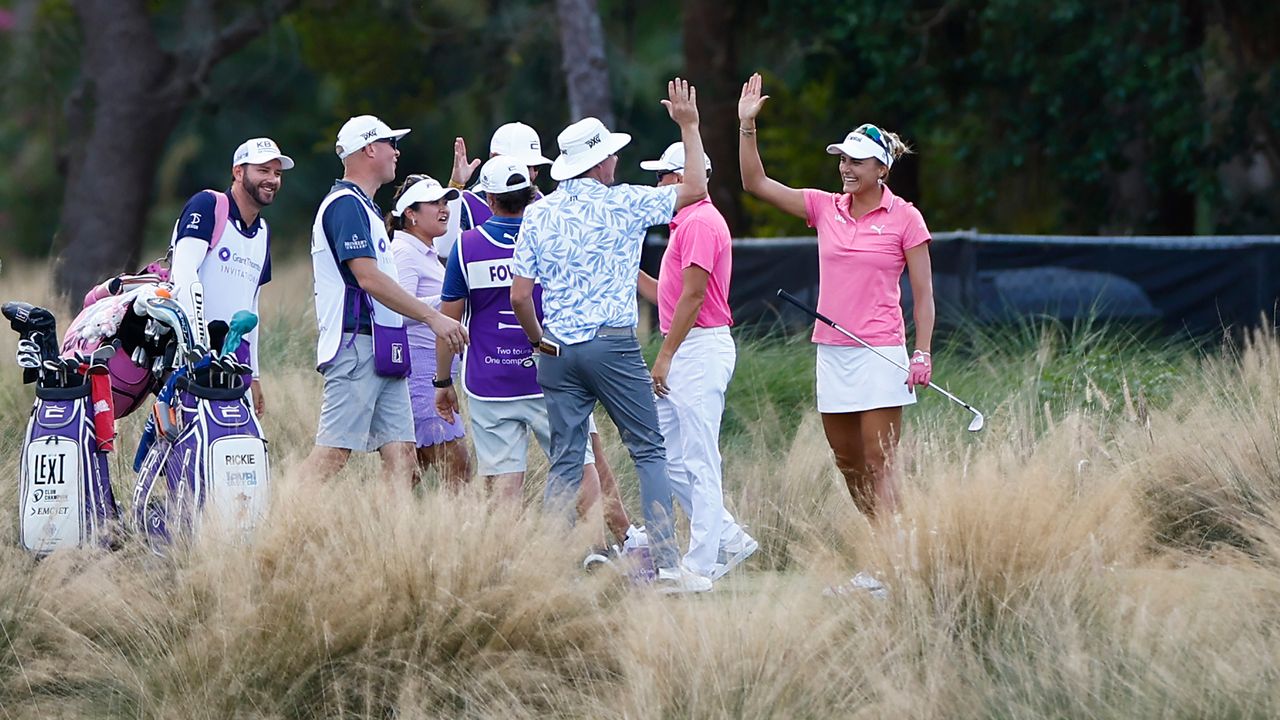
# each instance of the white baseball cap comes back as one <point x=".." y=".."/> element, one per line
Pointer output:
<point x="519" y="141"/>
<point x="257" y="151"/>
<point x="672" y="160"/>
<point x="504" y="174"/>
<point x="428" y="189"/>
<point x="362" y="130"/>
<point x="864" y="142"/>
<point x="583" y="145"/>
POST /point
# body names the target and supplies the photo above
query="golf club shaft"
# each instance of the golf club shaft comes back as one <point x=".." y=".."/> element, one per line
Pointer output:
<point x="823" y="318"/>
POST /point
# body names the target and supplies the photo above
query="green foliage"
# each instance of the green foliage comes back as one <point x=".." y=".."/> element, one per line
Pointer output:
<point x="1011" y="100"/>
<point x="1080" y="116"/>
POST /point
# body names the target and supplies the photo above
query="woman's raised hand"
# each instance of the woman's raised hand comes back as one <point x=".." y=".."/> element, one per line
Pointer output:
<point x="751" y="101"/>
<point x="462" y="167"/>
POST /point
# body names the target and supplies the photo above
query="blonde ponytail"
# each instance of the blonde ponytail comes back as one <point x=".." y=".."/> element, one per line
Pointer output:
<point x="897" y="146"/>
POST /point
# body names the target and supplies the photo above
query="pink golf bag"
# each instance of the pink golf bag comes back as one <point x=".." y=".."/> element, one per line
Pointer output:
<point x="110" y="317"/>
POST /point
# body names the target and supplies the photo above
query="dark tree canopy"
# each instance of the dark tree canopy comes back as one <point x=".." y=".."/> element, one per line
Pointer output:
<point x="1078" y="116"/>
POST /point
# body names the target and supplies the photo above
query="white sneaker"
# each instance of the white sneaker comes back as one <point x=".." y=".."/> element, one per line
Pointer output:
<point x="678" y="579"/>
<point x="636" y="538"/>
<point x="732" y="555"/>
<point x="595" y="560"/>
<point x="862" y="582"/>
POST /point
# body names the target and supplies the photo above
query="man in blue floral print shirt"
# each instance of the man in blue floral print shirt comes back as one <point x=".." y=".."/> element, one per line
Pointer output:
<point x="582" y="242"/>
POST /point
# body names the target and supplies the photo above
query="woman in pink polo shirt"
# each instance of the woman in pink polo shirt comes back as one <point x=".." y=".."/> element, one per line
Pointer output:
<point x="866" y="236"/>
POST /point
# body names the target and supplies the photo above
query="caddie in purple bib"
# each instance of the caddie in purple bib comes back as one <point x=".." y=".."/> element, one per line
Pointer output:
<point x="498" y="364"/>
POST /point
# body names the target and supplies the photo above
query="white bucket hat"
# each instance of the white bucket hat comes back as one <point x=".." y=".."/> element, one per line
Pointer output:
<point x="504" y="174"/>
<point x="583" y="145"/>
<point x="864" y="142"/>
<point x="256" y="151"/>
<point x="362" y="130"/>
<point x="519" y="141"/>
<point x="672" y="160"/>
<point x="428" y="189"/>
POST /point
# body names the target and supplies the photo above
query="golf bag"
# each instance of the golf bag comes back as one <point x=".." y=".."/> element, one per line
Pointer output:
<point x="65" y="497"/>
<point x="113" y="315"/>
<point x="207" y="461"/>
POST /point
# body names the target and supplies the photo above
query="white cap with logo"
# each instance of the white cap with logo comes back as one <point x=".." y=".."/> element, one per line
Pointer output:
<point x="428" y="189"/>
<point x="519" y="141"/>
<point x="256" y="151"/>
<point x="362" y="130"/>
<point x="583" y="145"/>
<point x="861" y="146"/>
<point x="672" y="160"/>
<point x="504" y="174"/>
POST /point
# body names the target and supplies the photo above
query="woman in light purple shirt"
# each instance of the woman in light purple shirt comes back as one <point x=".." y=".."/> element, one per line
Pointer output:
<point x="420" y="216"/>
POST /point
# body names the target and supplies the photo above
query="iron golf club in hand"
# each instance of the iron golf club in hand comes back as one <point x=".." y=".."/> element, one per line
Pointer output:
<point x="974" y="426"/>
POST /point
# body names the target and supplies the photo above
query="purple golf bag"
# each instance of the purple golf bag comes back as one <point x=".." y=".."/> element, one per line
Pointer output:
<point x="211" y="466"/>
<point x="66" y="498"/>
<point x="64" y="485"/>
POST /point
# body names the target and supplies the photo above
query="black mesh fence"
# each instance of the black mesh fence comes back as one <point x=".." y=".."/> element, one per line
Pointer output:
<point x="1198" y="285"/>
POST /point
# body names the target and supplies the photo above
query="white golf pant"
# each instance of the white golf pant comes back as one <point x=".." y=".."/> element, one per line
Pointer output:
<point x="689" y="417"/>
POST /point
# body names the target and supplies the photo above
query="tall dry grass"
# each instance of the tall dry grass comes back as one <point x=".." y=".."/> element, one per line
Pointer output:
<point x="1107" y="547"/>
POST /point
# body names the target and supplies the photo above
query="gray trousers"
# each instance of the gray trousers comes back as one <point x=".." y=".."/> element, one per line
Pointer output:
<point x="608" y="368"/>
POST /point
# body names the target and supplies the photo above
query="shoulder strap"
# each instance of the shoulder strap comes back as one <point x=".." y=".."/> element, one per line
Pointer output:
<point x="221" y="212"/>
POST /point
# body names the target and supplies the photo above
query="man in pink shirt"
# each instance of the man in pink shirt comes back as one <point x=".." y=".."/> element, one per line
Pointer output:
<point x="693" y="368"/>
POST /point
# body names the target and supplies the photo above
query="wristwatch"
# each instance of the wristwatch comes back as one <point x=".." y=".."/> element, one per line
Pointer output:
<point x="437" y="382"/>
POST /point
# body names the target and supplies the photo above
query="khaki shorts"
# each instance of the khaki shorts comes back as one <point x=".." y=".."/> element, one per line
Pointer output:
<point x="362" y="410"/>
<point x="500" y="431"/>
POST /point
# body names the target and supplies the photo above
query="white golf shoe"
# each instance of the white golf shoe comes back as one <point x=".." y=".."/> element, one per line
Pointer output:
<point x="733" y="554"/>
<point x="860" y="583"/>
<point x="677" y="580"/>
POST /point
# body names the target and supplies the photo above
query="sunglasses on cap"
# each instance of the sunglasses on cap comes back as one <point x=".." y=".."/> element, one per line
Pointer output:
<point x="874" y="133"/>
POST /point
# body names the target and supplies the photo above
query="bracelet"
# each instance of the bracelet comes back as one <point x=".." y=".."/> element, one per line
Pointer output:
<point x="447" y="382"/>
<point x="457" y="185"/>
<point x="746" y="131"/>
<point x="922" y="352"/>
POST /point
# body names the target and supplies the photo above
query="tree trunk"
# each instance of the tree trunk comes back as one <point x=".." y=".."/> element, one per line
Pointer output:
<point x="711" y="64"/>
<point x="130" y="96"/>
<point x="586" y="67"/>
<point x="111" y="161"/>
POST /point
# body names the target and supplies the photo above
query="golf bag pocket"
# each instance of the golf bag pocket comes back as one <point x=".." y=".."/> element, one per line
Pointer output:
<point x="65" y="496"/>
<point x="215" y="470"/>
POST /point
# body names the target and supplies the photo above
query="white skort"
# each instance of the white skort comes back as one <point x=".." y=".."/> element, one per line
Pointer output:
<point x="853" y="379"/>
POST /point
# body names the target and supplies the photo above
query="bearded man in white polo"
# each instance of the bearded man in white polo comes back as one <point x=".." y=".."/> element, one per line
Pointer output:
<point x="224" y="244"/>
<point x="360" y="309"/>
<point x="583" y="242"/>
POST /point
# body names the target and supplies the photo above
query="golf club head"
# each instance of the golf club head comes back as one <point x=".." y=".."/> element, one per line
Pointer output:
<point x="217" y="333"/>
<point x="978" y="421"/>
<point x="169" y="313"/>
<point x="28" y="355"/>
<point x="242" y="323"/>
<point x="102" y="354"/>
<point x="26" y="318"/>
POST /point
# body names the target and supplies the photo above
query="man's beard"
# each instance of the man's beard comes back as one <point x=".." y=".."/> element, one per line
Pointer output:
<point x="255" y="192"/>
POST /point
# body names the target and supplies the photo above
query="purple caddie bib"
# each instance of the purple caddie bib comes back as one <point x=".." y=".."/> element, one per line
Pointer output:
<point x="498" y="364"/>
